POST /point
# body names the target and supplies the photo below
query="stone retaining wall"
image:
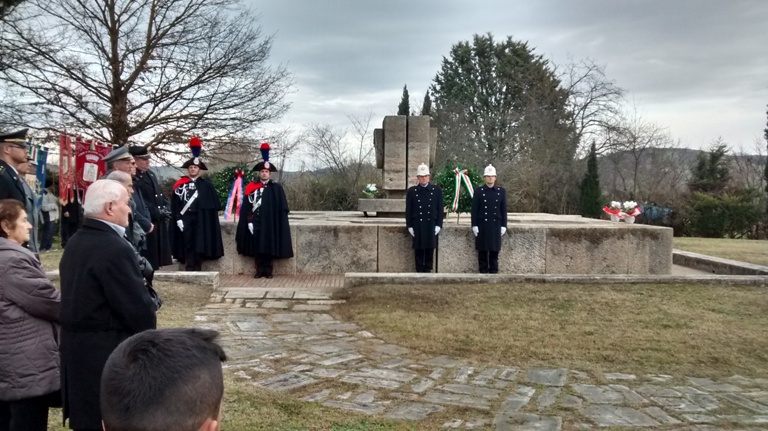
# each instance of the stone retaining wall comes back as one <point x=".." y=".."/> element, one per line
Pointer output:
<point x="717" y="265"/>
<point x="337" y="246"/>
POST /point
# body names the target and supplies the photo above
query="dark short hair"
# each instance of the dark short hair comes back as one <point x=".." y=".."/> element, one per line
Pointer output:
<point x="163" y="379"/>
<point x="10" y="211"/>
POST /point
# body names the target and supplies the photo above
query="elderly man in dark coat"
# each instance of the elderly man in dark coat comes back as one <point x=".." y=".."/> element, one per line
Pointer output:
<point x="424" y="208"/>
<point x="489" y="221"/>
<point x="103" y="300"/>
<point x="263" y="231"/>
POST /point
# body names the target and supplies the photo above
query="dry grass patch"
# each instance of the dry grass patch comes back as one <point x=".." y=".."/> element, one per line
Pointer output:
<point x="674" y="329"/>
<point x="752" y="251"/>
<point x="249" y="408"/>
<point x="50" y="259"/>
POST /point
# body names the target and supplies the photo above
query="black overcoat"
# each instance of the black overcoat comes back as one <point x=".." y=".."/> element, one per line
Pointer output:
<point x="208" y="242"/>
<point x="272" y="232"/>
<point x="103" y="302"/>
<point x="424" y="209"/>
<point x="489" y="214"/>
<point x="158" y="251"/>
<point x="10" y="184"/>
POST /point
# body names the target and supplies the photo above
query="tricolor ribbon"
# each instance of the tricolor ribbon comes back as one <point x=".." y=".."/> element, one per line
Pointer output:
<point x="235" y="198"/>
<point x="461" y="175"/>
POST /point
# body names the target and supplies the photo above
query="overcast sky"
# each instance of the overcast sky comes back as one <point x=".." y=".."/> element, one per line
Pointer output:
<point x="696" y="67"/>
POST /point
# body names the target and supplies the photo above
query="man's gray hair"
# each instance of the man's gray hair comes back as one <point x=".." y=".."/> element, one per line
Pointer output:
<point x="121" y="177"/>
<point x="101" y="193"/>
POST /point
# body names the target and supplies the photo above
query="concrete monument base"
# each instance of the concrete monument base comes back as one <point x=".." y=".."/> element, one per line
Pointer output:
<point x="341" y="242"/>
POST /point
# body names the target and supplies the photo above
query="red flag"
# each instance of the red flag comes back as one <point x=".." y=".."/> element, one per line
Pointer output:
<point x="66" y="170"/>
<point x="89" y="164"/>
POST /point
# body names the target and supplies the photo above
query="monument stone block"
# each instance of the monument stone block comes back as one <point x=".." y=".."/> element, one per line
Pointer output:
<point x="336" y="249"/>
<point x="395" y="253"/>
<point x="652" y="250"/>
<point x="588" y="249"/>
<point x="523" y="250"/>
<point x="378" y="145"/>
<point x="418" y="145"/>
<point x="456" y="249"/>
<point x="395" y="152"/>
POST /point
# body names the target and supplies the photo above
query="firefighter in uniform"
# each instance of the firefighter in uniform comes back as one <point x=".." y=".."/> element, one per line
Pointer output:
<point x="489" y="221"/>
<point x="424" y="208"/>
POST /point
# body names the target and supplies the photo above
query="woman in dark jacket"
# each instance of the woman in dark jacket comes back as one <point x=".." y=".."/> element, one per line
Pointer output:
<point x="29" y="312"/>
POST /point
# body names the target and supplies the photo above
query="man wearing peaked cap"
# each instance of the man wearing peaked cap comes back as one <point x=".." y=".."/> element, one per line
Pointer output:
<point x="120" y="153"/>
<point x="489" y="221"/>
<point x="263" y="231"/>
<point x="424" y="209"/>
<point x="195" y="234"/>
<point x="145" y="184"/>
<point x="13" y="153"/>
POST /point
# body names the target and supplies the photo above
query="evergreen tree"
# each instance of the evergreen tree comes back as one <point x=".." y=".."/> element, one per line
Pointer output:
<point x="591" y="198"/>
<point x="404" y="108"/>
<point x="426" y="108"/>
<point x="711" y="174"/>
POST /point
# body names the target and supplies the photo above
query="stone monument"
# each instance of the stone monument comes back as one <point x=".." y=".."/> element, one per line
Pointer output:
<point x="402" y="144"/>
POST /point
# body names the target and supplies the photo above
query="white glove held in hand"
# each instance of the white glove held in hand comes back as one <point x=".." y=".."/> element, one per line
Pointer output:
<point x="250" y="227"/>
<point x="180" y="224"/>
<point x="410" y="230"/>
<point x="503" y="230"/>
<point x="437" y="230"/>
<point x="475" y="230"/>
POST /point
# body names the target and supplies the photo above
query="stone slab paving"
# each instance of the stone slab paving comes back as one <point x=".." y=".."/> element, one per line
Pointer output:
<point x="276" y="342"/>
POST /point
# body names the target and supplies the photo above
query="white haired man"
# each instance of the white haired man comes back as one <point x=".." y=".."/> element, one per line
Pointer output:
<point x="103" y="300"/>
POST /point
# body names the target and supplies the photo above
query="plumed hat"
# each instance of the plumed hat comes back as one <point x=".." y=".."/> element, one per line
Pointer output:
<point x="195" y="146"/>
<point x="265" y="163"/>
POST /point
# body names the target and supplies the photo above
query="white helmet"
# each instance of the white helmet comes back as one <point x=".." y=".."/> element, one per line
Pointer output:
<point x="422" y="170"/>
<point x="490" y="171"/>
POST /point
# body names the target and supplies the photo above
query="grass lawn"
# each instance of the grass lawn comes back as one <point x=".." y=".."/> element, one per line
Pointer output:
<point x="752" y="251"/>
<point x="710" y="331"/>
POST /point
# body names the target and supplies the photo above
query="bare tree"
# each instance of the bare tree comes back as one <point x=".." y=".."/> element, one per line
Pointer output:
<point x="595" y="101"/>
<point x="345" y="157"/>
<point x="145" y="70"/>
<point x="636" y="149"/>
<point x="748" y="167"/>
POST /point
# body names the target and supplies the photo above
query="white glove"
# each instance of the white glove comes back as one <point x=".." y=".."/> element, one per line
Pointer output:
<point x="410" y="230"/>
<point x="250" y="227"/>
<point x="475" y="230"/>
<point x="503" y="230"/>
<point x="180" y="224"/>
<point x="437" y="230"/>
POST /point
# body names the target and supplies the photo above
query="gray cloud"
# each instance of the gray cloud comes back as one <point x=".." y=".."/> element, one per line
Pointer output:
<point x="698" y="67"/>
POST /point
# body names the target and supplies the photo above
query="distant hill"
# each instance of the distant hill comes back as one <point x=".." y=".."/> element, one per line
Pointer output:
<point x="663" y="173"/>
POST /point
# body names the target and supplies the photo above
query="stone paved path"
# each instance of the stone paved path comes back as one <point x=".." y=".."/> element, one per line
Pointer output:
<point x="282" y="339"/>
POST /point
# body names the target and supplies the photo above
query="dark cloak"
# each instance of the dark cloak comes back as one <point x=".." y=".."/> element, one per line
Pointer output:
<point x="272" y="231"/>
<point x="208" y="242"/>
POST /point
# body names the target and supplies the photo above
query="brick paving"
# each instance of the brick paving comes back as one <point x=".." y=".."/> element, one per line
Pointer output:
<point x="279" y="336"/>
<point x="303" y="281"/>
